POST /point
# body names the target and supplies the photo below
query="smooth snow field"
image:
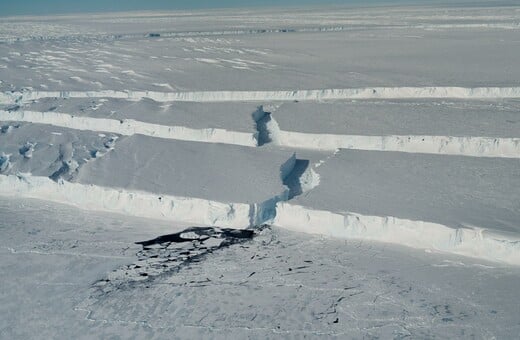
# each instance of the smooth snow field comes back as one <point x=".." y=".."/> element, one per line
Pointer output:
<point x="333" y="172"/>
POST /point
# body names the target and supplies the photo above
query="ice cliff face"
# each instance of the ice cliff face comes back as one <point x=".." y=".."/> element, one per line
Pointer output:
<point x="270" y="132"/>
<point x="301" y="95"/>
<point x="143" y="204"/>
<point x="297" y="175"/>
<point x="478" y="243"/>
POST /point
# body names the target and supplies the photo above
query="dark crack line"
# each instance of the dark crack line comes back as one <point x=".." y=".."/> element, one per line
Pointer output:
<point x="262" y="118"/>
<point x="292" y="181"/>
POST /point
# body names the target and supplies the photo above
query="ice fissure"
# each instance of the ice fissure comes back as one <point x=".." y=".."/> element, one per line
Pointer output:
<point x="268" y="131"/>
<point x="472" y="242"/>
<point x="57" y="188"/>
<point x="298" y="175"/>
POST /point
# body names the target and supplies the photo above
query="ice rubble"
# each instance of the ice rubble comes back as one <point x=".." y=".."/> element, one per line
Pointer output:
<point x="5" y="163"/>
<point x="27" y="150"/>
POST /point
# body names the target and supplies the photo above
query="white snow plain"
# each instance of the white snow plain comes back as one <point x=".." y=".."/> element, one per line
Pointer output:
<point x="59" y="282"/>
<point x="390" y="136"/>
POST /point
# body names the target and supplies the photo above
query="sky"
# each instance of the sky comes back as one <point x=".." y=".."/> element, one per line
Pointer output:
<point x="44" y="7"/>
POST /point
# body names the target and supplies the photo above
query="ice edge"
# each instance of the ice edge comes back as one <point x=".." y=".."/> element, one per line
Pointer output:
<point x="301" y="95"/>
<point x="449" y="145"/>
<point x="476" y="243"/>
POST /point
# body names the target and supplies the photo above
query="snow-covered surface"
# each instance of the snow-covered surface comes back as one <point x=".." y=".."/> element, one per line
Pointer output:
<point x="467" y="128"/>
<point x="171" y="168"/>
<point x="396" y="125"/>
<point x="158" y="175"/>
<point x="258" y="20"/>
<point x="279" y="284"/>
<point x="459" y="118"/>
<point x="150" y="164"/>
<point x="138" y="203"/>
<point x="422" y="46"/>
<point x="451" y="190"/>
<point x="129" y="127"/>
<point x="463" y="205"/>
<point x="55" y="152"/>
<point x="226" y="116"/>
<point x="448" y="145"/>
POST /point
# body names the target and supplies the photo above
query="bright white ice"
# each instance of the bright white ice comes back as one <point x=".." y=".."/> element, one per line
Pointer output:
<point x="367" y="161"/>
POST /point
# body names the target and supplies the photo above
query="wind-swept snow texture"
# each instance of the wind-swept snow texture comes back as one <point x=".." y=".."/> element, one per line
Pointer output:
<point x="279" y="51"/>
<point x="457" y="204"/>
<point x="53" y="152"/>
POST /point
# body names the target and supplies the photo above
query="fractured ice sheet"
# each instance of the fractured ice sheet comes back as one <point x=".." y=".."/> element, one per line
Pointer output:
<point x="168" y="254"/>
<point x="229" y="116"/>
<point x="491" y="118"/>
<point x="450" y="190"/>
<point x="278" y="284"/>
<point x="55" y="152"/>
<point x="224" y="173"/>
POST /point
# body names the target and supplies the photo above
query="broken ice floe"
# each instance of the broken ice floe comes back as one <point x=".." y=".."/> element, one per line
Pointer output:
<point x="170" y="253"/>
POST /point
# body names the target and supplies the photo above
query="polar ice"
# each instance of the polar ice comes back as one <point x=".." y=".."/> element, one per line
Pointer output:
<point x="347" y="170"/>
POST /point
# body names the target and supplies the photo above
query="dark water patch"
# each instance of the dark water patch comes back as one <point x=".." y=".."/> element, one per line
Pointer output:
<point x="200" y="234"/>
<point x="168" y="254"/>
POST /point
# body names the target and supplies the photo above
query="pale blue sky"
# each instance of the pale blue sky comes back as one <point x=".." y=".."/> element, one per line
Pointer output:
<point x="18" y="7"/>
